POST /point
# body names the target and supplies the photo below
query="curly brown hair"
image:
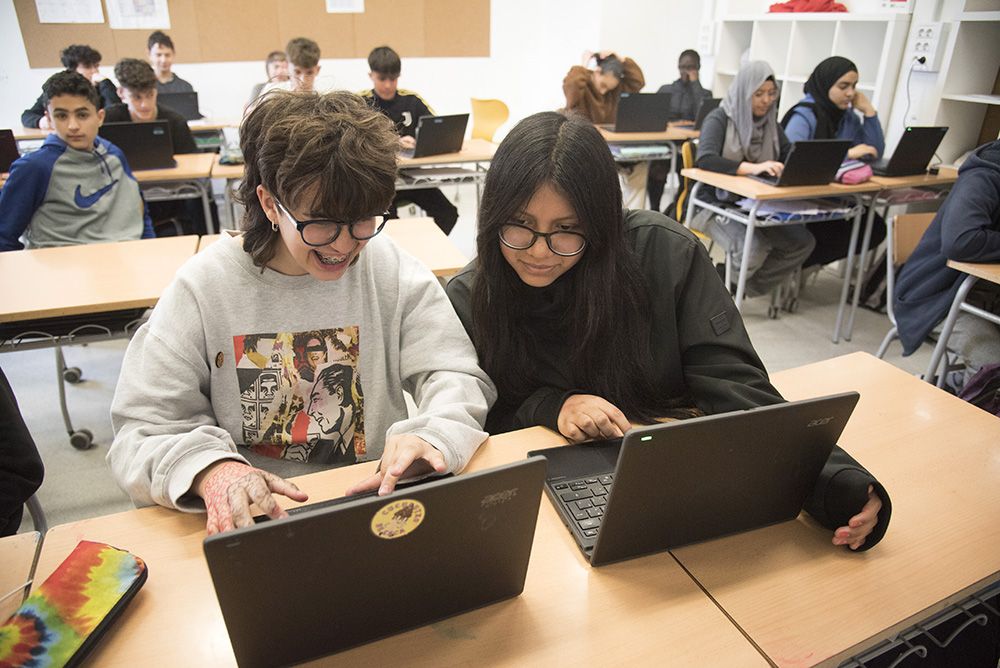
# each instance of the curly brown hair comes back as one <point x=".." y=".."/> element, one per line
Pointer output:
<point x="291" y="141"/>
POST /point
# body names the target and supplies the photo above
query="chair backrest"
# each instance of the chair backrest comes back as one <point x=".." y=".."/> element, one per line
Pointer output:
<point x="687" y="159"/>
<point x="908" y="229"/>
<point x="487" y="116"/>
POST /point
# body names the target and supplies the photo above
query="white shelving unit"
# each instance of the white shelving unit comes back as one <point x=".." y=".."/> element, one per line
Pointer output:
<point x="793" y="44"/>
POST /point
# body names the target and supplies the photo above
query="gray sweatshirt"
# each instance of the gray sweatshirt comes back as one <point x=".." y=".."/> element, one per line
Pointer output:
<point x="291" y="374"/>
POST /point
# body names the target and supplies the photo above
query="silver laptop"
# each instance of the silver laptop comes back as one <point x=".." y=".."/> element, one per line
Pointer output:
<point x="341" y="575"/>
<point x="682" y="482"/>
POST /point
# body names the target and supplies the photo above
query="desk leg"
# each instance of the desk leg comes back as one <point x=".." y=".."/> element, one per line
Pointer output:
<point x="205" y="186"/>
<point x="741" y="282"/>
<point x="845" y="288"/>
<point x="692" y="203"/>
<point x="949" y="324"/>
<point x="859" y="281"/>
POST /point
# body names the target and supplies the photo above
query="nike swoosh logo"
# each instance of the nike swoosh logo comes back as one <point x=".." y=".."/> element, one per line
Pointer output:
<point x="87" y="201"/>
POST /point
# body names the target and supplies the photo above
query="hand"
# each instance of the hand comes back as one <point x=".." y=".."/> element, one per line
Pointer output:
<point x="407" y="142"/>
<point x="45" y="123"/>
<point x="772" y="167"/>
<point x="862" y="150"/>
<point x="585" y="416"/>
<point x="229" y="487"/>
<point x="859" y="526"/>
<point x="863" y="104"/>
<point x="405" y="456"/>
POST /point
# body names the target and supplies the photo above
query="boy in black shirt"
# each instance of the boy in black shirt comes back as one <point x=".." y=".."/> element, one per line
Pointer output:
<point x="404" y="107"/>
<point x="137" y="89"/>
<point x="84" y="60"/>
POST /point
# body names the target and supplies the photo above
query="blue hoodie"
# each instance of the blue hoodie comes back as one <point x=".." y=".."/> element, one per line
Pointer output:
<point x="61" y="196"/>
<point x="965" y="229"/>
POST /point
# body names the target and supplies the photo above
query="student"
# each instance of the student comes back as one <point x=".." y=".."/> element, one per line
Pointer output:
<point x="743" y="137"/>
<point x="276" y="67"/>
<point x="303" y="54"/>
<point x="214" y="402"/>
<point x="593" y="93"/>
<point x="21" y="469"/>
<point x="77" y="188"/>
<point x="686" y="95"/>
<point x="405" y="108"/>
<point x="828" y="112"/>
<point x="161" y="57"/>
<point x="139" y="93"/>
<point x="75" y="58"/>
<point x="587" y="316"/>
<point x="965" y="229"/>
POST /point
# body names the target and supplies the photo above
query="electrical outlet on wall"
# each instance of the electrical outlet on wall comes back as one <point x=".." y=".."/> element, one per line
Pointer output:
<point x="927" y="42"/>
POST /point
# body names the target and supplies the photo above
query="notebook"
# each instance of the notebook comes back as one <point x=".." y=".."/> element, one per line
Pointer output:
<point x="185" y="104"/>
<point x="145" y="145"/>
<point x="321" y="581"/>
<point x="682" y="482"/>
<point x="813" y="162"/>
<point x="708" y="104"/>
<point x="913" y="152"/>
<point x="437" y="135"/>
<point x="641" y="112"/>
<point x="8" y="150"/>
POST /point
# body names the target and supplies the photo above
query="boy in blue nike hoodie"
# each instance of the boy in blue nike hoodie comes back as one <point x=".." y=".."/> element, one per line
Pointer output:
<point x="77" y="188"/>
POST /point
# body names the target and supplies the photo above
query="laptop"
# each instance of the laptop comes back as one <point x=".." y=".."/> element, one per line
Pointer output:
<point x="708" y="104"/>
<point x="641" y="112"/>
<point x="812" y="162"/>
<point x="682" y="482"/>
<point x="185" y="104"/>
<point x="913" y="152"/>
<point x="8" y="150"/>
<point x="437" y="135"/>
<point x="334" y="577"/>
<point x="145" y="145"/>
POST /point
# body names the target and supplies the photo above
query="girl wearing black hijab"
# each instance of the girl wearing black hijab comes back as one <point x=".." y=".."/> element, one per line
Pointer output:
<point x="833" y="108"/>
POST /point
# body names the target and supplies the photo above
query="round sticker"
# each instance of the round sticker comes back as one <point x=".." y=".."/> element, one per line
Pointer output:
<point x="398" y="518"/>
<point x="219" y="359"/>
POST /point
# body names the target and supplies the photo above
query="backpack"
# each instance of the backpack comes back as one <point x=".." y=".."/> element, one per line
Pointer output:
<point x="983" y="389"/>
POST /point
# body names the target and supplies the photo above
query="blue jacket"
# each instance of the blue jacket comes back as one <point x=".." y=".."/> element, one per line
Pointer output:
<point x="965" y="229"/>
<point x="60" y="196"/>
<point x="802" y="125"/>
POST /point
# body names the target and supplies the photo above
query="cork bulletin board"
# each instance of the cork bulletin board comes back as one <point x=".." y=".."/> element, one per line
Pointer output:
<point x="206" y="31"/>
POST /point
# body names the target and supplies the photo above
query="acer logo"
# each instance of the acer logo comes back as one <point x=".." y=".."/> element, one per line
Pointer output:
<point x="818" y="422"/>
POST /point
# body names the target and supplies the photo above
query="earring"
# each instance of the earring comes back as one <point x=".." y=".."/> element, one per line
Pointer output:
<point x="274" y="227"/>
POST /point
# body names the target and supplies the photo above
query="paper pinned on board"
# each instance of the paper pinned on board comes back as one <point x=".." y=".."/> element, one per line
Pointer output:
<point x="345" y="6"/>
<point x="69" y="11"/>
<point x="138" y="14"/>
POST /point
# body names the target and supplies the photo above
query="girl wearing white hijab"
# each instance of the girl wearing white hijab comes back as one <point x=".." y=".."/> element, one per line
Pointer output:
<point x="743" y="137"/>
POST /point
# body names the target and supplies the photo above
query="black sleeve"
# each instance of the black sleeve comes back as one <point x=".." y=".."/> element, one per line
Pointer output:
<point x="784" y="146"/>
<point x="180" y="132"/>
<point x="21" y="468"/>
<point x="109" y="94"/>
<point x="31" y="116"/>
<point x="710" y="143"/>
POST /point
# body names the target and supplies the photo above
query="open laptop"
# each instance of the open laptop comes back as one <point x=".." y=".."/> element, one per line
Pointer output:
<point x="913" y="152"/>
<point x="145" y="145"/>
<point x="321" y="581"/>
<point x="707" y="105"/>
<point x="8" y="150"/>
<point x="185" y="104"/>
<point x="812" y="162"/>
<point x="437" y="135"/>
<point x="681" y="482"/>
<point x="641" y="112"/>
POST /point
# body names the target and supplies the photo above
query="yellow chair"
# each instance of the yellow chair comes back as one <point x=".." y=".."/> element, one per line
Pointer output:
<point x="687" y="159"/>
<point x="487" y="116"/>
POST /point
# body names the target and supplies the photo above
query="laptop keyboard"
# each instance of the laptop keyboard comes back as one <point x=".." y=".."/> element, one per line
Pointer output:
<point x="585" y="499"/>
<point x="769" y="179"/>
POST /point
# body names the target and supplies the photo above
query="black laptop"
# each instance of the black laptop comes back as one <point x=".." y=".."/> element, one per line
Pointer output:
<point x="707" y="105"/>
<point x="437" y="135"/>
<point x="8" y="150"/>
<point x="913" y="152"/>
<point x="145" y="145"/>
<point x="334" y="577"/>
<point x="682" y="482"/>
<point x="641" y="112"/>
<point x="185" y="104"/>
<point x="812" y="162"/>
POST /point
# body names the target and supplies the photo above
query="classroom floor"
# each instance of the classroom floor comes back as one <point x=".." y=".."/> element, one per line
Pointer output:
<point x="78" y="483"/>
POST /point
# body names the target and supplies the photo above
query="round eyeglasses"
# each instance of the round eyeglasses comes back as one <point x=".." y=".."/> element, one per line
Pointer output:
<point x="325" y="232"/>
<point x="560" y="242"/>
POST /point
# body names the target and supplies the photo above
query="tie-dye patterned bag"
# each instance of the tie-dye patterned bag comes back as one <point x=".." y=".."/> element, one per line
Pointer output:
<point x="64" y="618"/>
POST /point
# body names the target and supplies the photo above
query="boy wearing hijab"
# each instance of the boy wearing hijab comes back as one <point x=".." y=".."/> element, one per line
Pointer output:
<point x="742" y="137"/>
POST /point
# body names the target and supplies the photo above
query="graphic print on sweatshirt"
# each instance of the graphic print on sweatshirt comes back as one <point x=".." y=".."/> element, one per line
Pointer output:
<point x="300" y="395"/>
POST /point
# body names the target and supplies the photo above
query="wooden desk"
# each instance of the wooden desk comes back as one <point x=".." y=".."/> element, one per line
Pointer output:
<point x="473" y="150"/>
<point x="744" y="186"/>
<point x="90" y="278"/>
<point x="804" y="602"/>
<point x="17" y="554"/>
<point x="188" y="180"/>
<point x="988" y="271"/>
<point x="644" y="611"/>
<point x="24" y="133"/>
<point x="670" y="134"/>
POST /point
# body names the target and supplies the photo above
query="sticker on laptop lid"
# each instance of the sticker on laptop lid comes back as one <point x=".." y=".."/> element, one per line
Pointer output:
<point x="398" y="518"/>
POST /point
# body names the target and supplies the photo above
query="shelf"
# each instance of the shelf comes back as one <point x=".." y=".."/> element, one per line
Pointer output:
<point x="974" y="97"/>
<point x="820" y="16"/>
<point x="979" y="16"/>
<point x="726" y="73"/>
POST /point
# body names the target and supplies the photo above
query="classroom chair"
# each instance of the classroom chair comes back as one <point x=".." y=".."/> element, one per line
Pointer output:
<point x="903" y="233"/>
<point x="938" y="367"/>
<point x="487" y="116"/>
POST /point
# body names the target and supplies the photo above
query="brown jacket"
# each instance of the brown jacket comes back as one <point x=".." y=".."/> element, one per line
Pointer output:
<point x="582" y="96"/>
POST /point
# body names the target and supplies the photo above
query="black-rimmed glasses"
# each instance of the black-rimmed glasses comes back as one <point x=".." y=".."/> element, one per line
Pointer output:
<point x="324" y="232"/>
<point x="560" y="242"/>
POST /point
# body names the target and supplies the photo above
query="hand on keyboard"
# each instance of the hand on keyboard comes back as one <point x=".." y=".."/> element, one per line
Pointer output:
<point x="584" y="417"/>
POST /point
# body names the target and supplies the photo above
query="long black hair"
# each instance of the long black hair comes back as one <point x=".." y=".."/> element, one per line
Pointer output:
<point x="606" y="314"/>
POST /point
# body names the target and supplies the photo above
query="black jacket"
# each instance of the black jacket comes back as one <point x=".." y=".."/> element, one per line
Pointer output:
<point x="21" y="468"/>
<point x="180" y="132"/>
<point x="405" y="109"/>
<point x="109" y="96"/>
<point x="685" y="98"/>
